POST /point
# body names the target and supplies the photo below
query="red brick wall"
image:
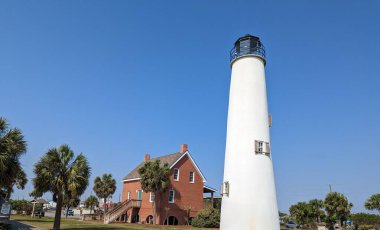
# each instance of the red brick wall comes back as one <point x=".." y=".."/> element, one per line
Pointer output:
<point x="186" y="195"/>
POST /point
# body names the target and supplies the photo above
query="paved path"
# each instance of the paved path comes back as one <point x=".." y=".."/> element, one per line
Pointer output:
<point x="21" y="226"/>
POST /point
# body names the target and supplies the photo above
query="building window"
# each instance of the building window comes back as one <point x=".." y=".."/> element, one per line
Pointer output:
<point x="176" y="174"/>
<point x="151" y="197"/>
<point x="129" y="195"/>
<point x="171" y="196"/>
<point x="262" y="147"/>
<point x="191" y="178"/>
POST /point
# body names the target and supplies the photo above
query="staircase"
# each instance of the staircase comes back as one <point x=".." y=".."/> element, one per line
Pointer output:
<point x="120" y="210"/>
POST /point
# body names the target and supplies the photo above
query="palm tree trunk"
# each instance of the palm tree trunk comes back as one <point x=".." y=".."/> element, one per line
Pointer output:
<point x="58" y="212"/>
<point x="105" y="205"/>
<point x="34" y="205"/>
<point x="154" y="209"/>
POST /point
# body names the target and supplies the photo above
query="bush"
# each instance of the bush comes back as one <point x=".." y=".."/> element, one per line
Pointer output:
<point x="207" y="218"/>
<point x="366" y="227"/>
<point x="22" y="205"/>
<point x="365" y="219"/>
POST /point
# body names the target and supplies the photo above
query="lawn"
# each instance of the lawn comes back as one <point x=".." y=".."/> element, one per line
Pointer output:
<point x="71" y="224"/>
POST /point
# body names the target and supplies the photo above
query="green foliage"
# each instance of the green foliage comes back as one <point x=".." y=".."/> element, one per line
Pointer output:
<point x="365" y="219"/>
<point x="71" y="201"/>
<point x="307" y="213"/>
<point x="316" y="211"/>
<point x="366" y="227"/>
<point x="91" y="202"/>
<point x="12" y="146"/>
<point x="284" y="217"/>
<point x="207" y="218"/>
<point x="373" y="203"/>
<point x="337" y="207"/>
<point x="63" y="175"/>
<point x="301" y="213"/>
<point x="104" y="187"/>
<point x="22" y="205"/>
<point x="155" y="179"/>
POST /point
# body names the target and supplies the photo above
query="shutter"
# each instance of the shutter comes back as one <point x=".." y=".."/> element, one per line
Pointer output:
<point x="270" y="120"/>
<point x="267" y="150"/>
<point x="226" y="188"/>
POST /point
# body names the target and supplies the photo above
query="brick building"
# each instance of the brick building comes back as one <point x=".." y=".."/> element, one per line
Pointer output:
<point x="179" y="203"/>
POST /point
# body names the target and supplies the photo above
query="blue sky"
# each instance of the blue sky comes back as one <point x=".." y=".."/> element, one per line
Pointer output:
<point x="119" y="79"/>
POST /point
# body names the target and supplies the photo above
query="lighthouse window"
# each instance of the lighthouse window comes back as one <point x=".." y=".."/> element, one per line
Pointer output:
<point x="225" y="188"/>
<point x="262" y="147"/>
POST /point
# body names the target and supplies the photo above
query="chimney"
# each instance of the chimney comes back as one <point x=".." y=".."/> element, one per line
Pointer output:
<point x="183" y="148"/>
<point x="146" y="157"/>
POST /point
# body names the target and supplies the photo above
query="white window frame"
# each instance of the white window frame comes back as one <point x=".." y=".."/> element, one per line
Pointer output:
<point x="176" y="169"/>
<point x="262" y="147"/>
<point x="192" y="173"/>
<point x="173" y="191"/>
<point x="151" y="197"/>
<point x="128" y="195"/>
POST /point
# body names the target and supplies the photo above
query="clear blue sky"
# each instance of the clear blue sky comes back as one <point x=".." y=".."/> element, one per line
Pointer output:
<point x="118" y="79"/>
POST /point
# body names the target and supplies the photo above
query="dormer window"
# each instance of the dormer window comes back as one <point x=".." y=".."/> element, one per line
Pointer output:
<point x="262" y="147"/>
<point x="191" y="178"/>
<point x="176" y="175"/>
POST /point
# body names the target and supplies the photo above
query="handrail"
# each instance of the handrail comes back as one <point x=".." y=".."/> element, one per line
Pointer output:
<point x="118" y="210"/>
<point x="246" y="51"/>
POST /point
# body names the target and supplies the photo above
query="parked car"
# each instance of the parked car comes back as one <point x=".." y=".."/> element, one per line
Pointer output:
<point x="291" y="224"/>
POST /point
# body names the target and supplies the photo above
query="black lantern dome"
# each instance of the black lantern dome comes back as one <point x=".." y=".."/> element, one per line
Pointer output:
<point x="247" y="45"/>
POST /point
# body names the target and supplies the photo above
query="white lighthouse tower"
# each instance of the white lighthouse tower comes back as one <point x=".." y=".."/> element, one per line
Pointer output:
<point x="249" y="193"/>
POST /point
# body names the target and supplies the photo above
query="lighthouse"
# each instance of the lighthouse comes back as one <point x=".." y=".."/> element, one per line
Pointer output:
<point x="248" y="189"/>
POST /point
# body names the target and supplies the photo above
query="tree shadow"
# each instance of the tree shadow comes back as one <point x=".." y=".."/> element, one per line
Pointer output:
<point x="15" y="225"/>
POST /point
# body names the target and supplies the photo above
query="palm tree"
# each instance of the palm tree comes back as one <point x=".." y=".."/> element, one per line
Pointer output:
<point x="61" y="174"/>
<point x="104" y="187"/>
<point x="316" y="210"/>
<point x="337" y="207"/>
<point x="154" y="179"/>
<point x="12" y="146"/>
<point x="373" y="202"/>
<point x="91" y="202"/>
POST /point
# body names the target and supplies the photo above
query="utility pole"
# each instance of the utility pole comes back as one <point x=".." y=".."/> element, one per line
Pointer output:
<point x="330" y="188"/>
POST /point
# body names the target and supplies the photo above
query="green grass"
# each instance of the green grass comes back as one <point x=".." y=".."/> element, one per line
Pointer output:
<point x="73" y="224"/>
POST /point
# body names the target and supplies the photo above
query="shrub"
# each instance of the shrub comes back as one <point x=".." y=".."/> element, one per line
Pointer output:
<point x="22" y="205"/>
<point x="207" y="218"/>
<point x="365" y="219"/>
<point x="366" y="227"/>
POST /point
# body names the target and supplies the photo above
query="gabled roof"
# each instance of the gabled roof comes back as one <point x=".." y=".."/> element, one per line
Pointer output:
<point x="170" y="159"/>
